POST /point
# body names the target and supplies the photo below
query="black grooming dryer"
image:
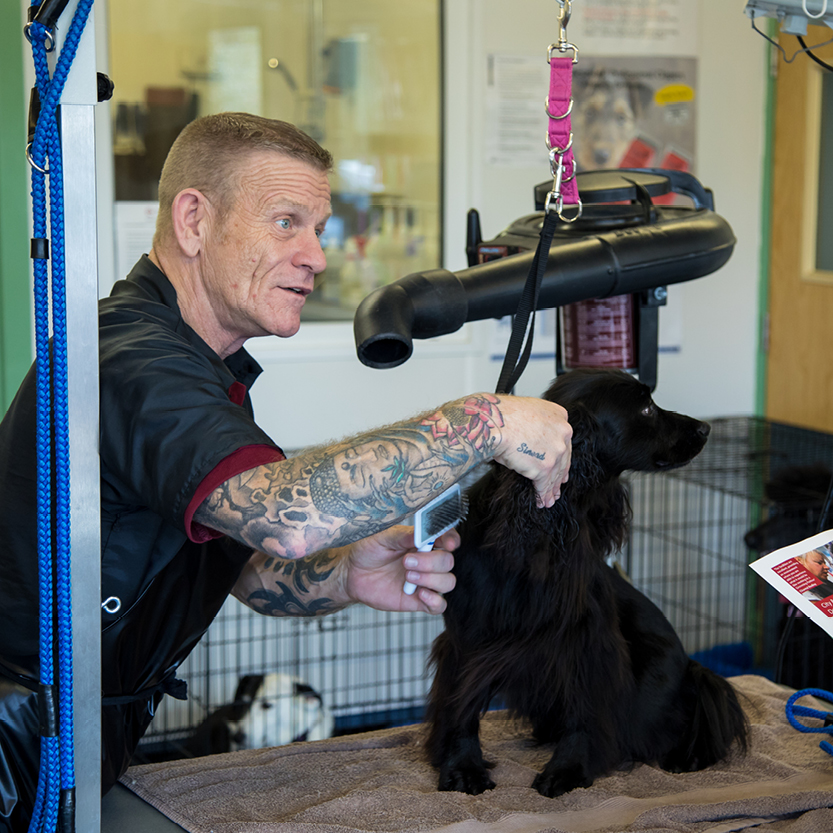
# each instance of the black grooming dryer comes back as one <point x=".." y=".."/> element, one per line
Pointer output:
<point x="630" y="242"/>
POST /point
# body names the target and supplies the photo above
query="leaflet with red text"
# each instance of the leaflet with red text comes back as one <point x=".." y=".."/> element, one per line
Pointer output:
<point x="803" y="574"/>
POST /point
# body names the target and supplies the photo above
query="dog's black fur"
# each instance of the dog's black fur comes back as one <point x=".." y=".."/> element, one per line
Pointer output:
<point x="539" y="619"/>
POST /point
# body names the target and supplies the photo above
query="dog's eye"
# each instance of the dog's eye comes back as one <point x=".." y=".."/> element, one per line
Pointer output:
<point x="649" y="410"/>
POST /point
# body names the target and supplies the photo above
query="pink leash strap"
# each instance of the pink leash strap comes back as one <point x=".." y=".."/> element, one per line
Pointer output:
<point x="559" y="135"/>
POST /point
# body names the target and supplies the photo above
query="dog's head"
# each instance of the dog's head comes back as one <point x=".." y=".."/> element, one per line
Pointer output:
<point x="616" y="427"/>
<point x="616" y="421"/>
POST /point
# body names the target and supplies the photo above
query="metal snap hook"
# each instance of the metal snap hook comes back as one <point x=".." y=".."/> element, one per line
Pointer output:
<point x="44" y="171"/>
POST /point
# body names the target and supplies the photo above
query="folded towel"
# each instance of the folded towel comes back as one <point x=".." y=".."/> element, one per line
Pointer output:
<point x="381" y="782"/>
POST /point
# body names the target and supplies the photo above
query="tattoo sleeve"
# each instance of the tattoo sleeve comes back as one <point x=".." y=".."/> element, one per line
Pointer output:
<point x="331" y="496"/>
<point x="287" y="587"/>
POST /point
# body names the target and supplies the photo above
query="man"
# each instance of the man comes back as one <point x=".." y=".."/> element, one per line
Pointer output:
<point x="197" y="501"/>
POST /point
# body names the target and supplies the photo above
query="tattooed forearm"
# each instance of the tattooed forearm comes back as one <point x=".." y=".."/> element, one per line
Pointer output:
<point x="285" y="587"/>
<point x="283" y="602"/>
<point x="335" y="495"/>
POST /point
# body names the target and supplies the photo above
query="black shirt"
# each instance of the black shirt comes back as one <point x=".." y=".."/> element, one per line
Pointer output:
<point x="176" y="422"/>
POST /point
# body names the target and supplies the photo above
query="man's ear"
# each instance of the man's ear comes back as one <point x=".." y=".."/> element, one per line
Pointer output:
<point x="189" y="218"/>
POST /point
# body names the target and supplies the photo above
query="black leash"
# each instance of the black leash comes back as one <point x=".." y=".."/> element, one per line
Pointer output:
<point x="514" y="363"/>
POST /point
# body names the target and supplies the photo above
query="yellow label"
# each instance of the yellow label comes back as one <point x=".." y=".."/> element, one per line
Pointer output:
<point x="673" y="94"/>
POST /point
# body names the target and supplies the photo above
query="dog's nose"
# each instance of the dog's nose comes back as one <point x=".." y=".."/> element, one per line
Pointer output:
<point x="704" y="429"/>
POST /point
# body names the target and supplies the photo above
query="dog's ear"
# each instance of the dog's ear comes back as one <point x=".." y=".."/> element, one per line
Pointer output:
<point x="586" y="472"/>
<point x="514" y="516"/>
<point x="517" y="522"/>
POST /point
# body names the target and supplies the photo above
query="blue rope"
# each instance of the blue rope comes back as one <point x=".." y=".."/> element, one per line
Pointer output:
<point x="805" y="711"/>
<point x="57" y="766"/>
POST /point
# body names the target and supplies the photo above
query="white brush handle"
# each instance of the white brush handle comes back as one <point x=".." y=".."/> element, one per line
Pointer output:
<point x="408" y="588"/>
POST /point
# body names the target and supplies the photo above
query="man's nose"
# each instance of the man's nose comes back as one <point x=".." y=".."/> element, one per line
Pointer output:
<point x="311" y="254"/>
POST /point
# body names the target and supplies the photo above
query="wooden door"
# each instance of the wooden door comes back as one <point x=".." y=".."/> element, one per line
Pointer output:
<point x="800" y="355"/>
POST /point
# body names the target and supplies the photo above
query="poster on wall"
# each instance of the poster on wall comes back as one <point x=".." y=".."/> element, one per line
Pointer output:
<point x="629" y="112"/>
<point x="801" y="573"/>
<point x="135" y="223"/>
<point x="516" y="119"/>
<point x="634" y="27"/>
<point x="634" y="112"/>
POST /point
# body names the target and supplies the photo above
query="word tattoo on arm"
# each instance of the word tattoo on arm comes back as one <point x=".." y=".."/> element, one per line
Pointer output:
<point x="525" y="449"/>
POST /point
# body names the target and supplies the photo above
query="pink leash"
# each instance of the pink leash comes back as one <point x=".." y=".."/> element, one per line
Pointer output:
<point x="559" y="135"/>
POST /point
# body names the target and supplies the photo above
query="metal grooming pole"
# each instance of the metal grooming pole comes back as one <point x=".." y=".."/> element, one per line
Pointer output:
<point x="78" y="102"/>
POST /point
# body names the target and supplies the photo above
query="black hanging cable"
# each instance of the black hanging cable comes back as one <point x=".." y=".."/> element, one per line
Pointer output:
<point x="809" y="51"/>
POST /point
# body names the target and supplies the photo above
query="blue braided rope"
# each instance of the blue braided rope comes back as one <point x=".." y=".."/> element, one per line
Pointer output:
<point x="805" y="711"/>
<point x="57" y="753"/>
<point x="46" y="804"/>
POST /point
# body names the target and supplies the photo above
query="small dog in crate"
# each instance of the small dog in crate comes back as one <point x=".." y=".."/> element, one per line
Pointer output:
<point x="267" y="710"/>
<point x="539" y="620"/>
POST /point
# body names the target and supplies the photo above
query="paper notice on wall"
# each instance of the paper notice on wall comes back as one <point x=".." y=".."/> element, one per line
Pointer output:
<point x="516" y="119"/>
<point x="801" y="573"/>
<point x="235" y="64"/>
<point x="634" y="27"/>
<point x="135" y="223"/>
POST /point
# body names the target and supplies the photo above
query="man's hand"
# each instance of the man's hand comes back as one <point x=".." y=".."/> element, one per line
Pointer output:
<point x="376" y="568"/>
<point x="536" y="442"/>
<point x="372" y="571"/>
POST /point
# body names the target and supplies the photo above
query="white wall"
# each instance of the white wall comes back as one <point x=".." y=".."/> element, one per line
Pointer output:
<point x="314" y="387"/>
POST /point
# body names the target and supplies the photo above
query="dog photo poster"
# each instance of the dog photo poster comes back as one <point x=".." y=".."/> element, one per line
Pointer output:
<point x="803" y="574"/>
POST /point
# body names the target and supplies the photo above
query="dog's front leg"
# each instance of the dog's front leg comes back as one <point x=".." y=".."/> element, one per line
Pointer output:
<point x="463" y="768"/>
<point x="569" y="767"/>
<point x="454" y="720"/>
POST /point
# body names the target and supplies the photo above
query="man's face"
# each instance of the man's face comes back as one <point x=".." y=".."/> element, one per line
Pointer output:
<point x="260" y="259"/>
<point x="815" y="563"/>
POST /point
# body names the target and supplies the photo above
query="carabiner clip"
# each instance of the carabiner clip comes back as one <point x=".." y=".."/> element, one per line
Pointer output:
<point x="564" y="12"/>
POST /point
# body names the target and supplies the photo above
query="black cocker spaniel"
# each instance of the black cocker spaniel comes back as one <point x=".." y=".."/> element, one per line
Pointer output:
<point x="539" y="619"/>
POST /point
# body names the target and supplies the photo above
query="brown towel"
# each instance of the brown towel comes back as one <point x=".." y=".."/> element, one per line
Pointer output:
<point x="380" y="782"/>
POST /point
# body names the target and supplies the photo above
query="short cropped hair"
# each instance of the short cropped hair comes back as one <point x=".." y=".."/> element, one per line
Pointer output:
<point x="209" y="151"/>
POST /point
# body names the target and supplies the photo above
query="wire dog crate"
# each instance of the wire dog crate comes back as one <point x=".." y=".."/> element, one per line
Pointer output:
<point x="367" y="669"/>
<point x="688" y="548"/>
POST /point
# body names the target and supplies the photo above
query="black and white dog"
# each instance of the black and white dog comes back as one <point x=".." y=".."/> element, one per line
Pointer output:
<point x="540" y="620"/>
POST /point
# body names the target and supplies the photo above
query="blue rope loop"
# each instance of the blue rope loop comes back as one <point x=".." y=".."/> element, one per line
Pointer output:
<point x="793" y="711"/>
<point x="56" y="781"/>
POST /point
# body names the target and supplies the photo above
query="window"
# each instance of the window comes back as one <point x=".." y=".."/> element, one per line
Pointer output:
<point x="363" y="78"/>
<point x="817" y="245"/>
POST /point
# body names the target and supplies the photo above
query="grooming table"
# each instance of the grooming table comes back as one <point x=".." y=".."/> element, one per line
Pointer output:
<point x="379" y="782"/>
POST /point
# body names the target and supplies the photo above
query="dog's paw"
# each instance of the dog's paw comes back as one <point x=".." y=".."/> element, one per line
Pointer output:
<point x="557" y="782"/>
<point x="471" y="779"/>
